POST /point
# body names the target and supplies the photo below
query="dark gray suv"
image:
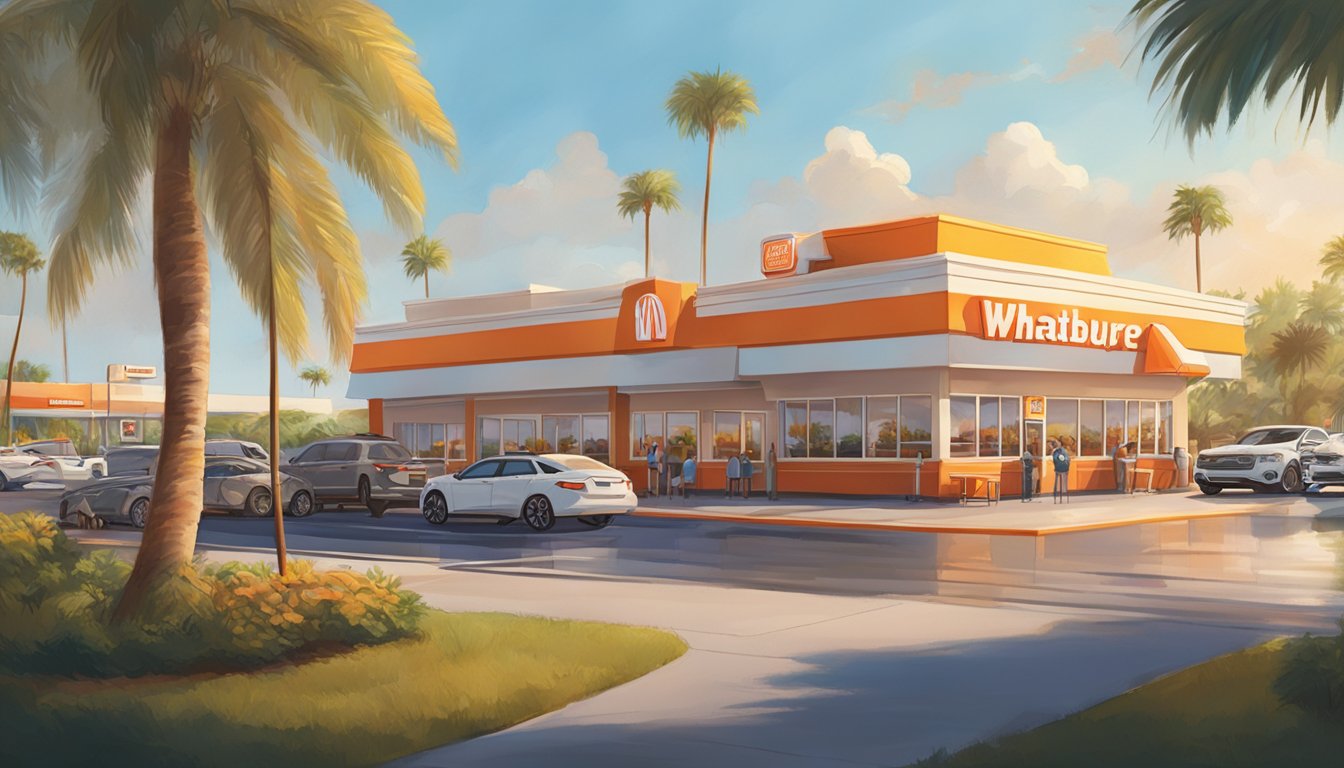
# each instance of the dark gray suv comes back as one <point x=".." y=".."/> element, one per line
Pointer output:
<point x="373" y="471"/>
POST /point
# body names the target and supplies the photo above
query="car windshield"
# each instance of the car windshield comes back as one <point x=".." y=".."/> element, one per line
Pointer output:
<point x="577" y="462"/>
<point x="389" y="452"/>
<point x="1270" y="436"/>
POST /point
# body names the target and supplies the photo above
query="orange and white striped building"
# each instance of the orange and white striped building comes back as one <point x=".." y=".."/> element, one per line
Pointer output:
<point x="860" y="355"/>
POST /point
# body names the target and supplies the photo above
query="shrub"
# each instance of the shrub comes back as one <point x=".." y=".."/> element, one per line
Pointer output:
<point x="1312" y="674"/>
<point x="56" y="597"/>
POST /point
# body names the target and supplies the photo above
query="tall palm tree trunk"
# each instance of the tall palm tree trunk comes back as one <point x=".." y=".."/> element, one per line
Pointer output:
<point x="182" y="275"/>
<point x="277" y="508"/>
<point x="65" y="356"/>
<point x="704" y="218"/>
<point x="647" y="210"/>
<point x="1199" y="273"/>
<point x="426" y="283"/>
<point x="13" y="353"/>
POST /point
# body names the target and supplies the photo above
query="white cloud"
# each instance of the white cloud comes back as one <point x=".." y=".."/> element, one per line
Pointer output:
<point x="1094" y="50"/>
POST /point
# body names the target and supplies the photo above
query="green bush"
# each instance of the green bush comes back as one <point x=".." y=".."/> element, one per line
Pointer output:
<point x="56" y="599"/>
<point x="1312" y="673"/>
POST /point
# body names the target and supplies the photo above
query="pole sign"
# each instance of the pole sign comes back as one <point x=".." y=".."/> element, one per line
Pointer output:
<point x="779" y="255"/>
<point x="123" y="372"/>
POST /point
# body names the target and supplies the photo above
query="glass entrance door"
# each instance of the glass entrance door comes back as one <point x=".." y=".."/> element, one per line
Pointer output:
<point x="1035" y="438"/>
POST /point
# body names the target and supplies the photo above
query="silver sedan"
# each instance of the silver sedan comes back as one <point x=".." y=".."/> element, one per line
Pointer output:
<point x="232" y="484"/>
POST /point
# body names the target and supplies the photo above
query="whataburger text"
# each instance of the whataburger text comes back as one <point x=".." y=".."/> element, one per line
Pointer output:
<point x="1014" y="321"/>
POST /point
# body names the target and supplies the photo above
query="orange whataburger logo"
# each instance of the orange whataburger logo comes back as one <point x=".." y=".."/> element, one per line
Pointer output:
<point x="650" y="318"/>
<point x="1015" y="321"/>
<point x="61" y="402"/>
<point x="779" y="255"/>
<point x="1034" y="406"/>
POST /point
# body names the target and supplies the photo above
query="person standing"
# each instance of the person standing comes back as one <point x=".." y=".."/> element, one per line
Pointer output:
<point x="771" y="480"/>
<point x="746" y="470"/>
<point x="665" y="472"/>
<point x="1060" y="456"/>
<point x="1121" y="468"/>
<point x="688" y="472"/>
<point x="1028" y="474"/>
<point x="655" y="458"/>
<point x="734" y="476"/>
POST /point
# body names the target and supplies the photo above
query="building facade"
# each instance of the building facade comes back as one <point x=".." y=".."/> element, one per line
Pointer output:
<point x="865" y="356"/>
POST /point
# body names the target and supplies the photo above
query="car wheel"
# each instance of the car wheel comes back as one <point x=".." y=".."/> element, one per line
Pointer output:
<point x="258" y="502"/>
<point x="1292" y="479"/>
<point x="139" y="512"/>
<point x="4" y="482"/>
<point x="596" y="521"/>
<point x="301" y="505"/>
<point x="1210" y="490"/>
<point x="365" y="495"/>
<point x="377" y="508"/>
<point x="538" y="513"/>
<point x="436" y="508"/>
<point x="65" y="510"/>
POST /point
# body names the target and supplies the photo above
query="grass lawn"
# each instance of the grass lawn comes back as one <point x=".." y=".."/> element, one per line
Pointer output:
<point x="469" y="674"/>
<point x="1220" y="713"/>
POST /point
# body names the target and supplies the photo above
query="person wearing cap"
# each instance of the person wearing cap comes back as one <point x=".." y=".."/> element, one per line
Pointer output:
<point x="734" y="476"/>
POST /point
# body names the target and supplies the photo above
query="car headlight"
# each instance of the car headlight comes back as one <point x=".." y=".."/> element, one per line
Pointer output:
<point x="1308" y="458"/>
<point x="1269" y="458"/>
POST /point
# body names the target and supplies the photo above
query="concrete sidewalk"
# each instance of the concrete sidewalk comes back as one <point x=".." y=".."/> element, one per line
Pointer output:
<point x="1010" y="516"/>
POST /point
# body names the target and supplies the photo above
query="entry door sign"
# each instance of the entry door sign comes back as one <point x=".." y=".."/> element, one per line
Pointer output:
<point x="1033" y="407"/>
<point x="650" y="318"/>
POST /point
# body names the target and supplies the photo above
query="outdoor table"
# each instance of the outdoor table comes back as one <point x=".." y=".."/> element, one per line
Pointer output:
<point x="991" y="483"/>
<point x="1135" y="485"/>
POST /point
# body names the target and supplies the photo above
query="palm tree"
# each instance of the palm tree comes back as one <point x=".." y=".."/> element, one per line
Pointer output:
<point x="1332" y="259"/>
<point x="1217" y="57"/>
<point x="423" y="255"/>
<point x="1323" y="305"/>
<point x="228" y="104"/>
<point x="315" y="376"/>
<point x="25" y="370"/>
<point x="705" y="104"/>
<point x="1298" y="348"/>
<point x="1196" y="210"/>
<point x="18" y="256"/>
<point x="640" y="192"/>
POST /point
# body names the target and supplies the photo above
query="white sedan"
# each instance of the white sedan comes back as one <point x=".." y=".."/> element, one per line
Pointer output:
<point x="537" y="489"/>
<point x="72" y="465"/>
<point x="18" y="469"/>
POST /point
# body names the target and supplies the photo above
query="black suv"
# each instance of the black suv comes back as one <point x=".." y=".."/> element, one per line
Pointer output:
<point x="375" y="471"/>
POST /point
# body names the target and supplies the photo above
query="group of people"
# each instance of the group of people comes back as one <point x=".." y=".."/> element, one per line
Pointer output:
<point x="739" y="473"/>
<point x="1061" y="458"/>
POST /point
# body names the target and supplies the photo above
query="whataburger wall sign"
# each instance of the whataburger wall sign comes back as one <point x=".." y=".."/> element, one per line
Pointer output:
<point x="1020" y="321"/>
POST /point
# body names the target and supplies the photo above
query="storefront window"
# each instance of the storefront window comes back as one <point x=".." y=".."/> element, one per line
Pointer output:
<point x="916" y="426"/>
<point x="989" y="426"/>
<point x="727" y="434"/>
<point x="1092" y="418"/>
<point x="1165" y="429"/>
<point x="559" y="434"/>
<point x="487" y="437"/>
<point x="1115" y="425"/>
<point x="1062" y="422"/>
<point x="962" y="439"/>
<point x="1011" y="408"/>
<point x="821" y="429"/>
<point x="795" y="429"/>
<point x="883" y="435"/>
<point x="596" y="438"/>
<point x="753" y="433"/>
<point x="1132" y="422"/>
<point x="647" y="428"/>
<point x="1148" y="428"/>
<point x="520" y="435"/>
<point x="849" y="427"/>
<point x="683" y="430"/>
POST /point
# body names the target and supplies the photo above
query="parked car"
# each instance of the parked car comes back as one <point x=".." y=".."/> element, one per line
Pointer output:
<point x="131" y="460"/>
<point x="1323" y="465"/>
<point x="18" y="469"/>
<point x="228" y="446"/>
<point x="72" y="465"/>
<point x="232" y="484"/>
<point x="1264" y="459"/>
<point x="374" y="471"/>
<point x="537" y="489"/>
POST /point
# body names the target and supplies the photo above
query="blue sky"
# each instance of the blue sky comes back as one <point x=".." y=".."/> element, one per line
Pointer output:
<point x="553" y="102"/>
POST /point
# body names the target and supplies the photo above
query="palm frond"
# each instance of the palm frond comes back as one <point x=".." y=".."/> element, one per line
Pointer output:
<point x="647" y="190"/>
<point x="1332" y="259"/>
<point x="423" y="255"/>
<point x="1215" y="57"/>
<point x="702" y="103"/>
<point x="1204" y="207"/>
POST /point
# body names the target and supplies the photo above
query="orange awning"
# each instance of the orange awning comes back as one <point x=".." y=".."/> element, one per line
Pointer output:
<point x="1160" y="352"/>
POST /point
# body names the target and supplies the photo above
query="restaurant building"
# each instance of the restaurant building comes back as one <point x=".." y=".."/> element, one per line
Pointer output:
<point x="878" y="360"/>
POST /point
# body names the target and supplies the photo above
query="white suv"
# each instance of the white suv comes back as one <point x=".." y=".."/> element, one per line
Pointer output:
<point x="1264" y="459"/>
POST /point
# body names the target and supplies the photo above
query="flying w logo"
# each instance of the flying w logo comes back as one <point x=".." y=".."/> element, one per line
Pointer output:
<point x="650" y="319"/>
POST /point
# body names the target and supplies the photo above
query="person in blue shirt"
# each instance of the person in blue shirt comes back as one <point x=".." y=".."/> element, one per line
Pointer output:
<point x="1060" y="456"/>
<point x="688" y="469"/>
<point x="745" y="471"/>
<point x="655" y="457"/>
<point x="734" y="476"/>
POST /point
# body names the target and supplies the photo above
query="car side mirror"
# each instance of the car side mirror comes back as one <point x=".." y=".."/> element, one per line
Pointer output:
<point x="457" y="475"/>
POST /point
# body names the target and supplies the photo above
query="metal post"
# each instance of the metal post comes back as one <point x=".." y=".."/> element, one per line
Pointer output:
<point x="919" y="470"/>
<point x="107" y="429"/>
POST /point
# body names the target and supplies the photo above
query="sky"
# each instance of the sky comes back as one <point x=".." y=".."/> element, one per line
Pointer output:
<point x="1028" y="113"/>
